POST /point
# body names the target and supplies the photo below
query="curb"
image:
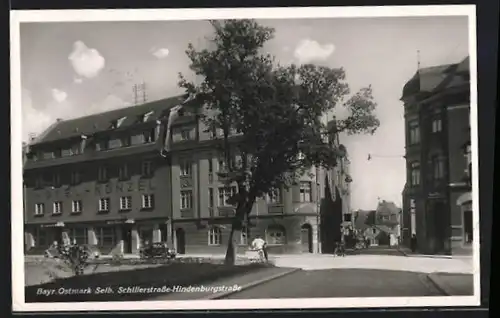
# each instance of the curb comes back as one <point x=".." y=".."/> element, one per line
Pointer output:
<point x="438" y="286"/>
<point x="250" y="285"/>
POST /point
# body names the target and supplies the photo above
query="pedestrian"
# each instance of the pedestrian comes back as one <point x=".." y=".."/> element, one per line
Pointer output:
<point x="413" y="243"/>
<point x="258" y="244"/>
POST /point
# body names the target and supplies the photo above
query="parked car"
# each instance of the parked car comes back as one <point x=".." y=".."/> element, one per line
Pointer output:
<point x="157" y="250"/>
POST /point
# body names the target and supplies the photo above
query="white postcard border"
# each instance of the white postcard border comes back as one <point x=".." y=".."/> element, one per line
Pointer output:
<point x="17" y="222"/>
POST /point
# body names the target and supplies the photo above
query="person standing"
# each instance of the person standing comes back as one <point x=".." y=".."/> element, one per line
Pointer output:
<point x="258" y="244"/>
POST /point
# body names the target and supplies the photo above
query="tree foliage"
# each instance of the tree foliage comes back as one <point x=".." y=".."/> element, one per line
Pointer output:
<point x="275" y="110"/>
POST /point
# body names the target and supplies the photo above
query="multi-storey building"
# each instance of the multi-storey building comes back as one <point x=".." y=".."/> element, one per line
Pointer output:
<point x="106" y="180"/>
<point x="437" y="107"/>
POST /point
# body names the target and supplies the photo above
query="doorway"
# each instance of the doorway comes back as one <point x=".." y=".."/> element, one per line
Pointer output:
<point x="58" y="235"/>
<point x="306" y="238"/>
<point x="127" y="240"/>
<point x="180" y="237"/>
<point x="468" y="228"/>
<point x="164" y="233"/>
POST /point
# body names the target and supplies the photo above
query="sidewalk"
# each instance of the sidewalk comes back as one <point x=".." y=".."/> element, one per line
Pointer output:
<point x="453" y="284"/>
<point x="460" y="254"/>
<point x="244" y="282"/>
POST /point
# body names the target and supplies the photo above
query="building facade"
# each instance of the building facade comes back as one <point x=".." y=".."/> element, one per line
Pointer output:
<point x="105" y="180"/>
<point x="437" y="120"/>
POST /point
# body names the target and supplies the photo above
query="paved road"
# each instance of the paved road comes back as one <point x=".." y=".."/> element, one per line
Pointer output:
<point x="343" y="283"/>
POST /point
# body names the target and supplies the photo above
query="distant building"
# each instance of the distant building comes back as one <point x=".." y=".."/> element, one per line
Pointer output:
<point x="436" y="197"/>
<point x="106" y="180"/>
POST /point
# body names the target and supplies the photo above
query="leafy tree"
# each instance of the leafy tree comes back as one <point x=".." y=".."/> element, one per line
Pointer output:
<point x="269" y="114"/>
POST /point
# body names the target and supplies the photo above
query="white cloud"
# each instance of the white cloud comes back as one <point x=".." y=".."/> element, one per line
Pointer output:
<point x="58" y="95"/>
<point x="34" y="121"/>
<point x="160" y="53"/>
<point x="77" y="80"/>
<point x="309" y="50"/>
<point x="86" y="62"/>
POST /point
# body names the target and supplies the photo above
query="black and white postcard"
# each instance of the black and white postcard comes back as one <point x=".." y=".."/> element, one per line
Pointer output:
<point x="244" y="158"/>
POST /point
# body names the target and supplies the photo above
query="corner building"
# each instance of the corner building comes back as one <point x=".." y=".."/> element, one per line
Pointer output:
<point x="105" y="180"/>
<point x="437" y="195"/>
<point x="99" y="180"/>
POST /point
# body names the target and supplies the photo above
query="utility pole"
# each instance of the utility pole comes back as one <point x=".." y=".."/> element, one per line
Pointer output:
<point x="143" y="88"/>
<point x="135" y="90"/>
<point x="139" y="91"/>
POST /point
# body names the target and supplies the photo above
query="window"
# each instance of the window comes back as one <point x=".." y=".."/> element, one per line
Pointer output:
<point x="147" y="168"/>
<point x="123" y="172"/>
<point x="125" y="203"/>
<point x="114" y="143"/>
<point x="274" y="196"/>
<point x="125" y="141"/>
<point x="76" y="206"/>
<point x="221" y="165"/>
<point x="186" y="134"/>
<point x="305" y="191"/>
<point x="148" y="201"/>
<point x="374" y="231"/>
<point x="67" y="152"/>
<point x="185" y="166"/>
<point x="78" y="235"/>
<point x="186" y="199"/>
<point x="41" y="238"/>
<point x="75" y="177"/>
<point x="145" y="235"/>
<point x="100" y="146"/>
<point x="106" y="236"/>
<point x="137" y="139"/>
<point x="102" y="174"/>
<point x="150" y="136"/>
<point x="57" y="208"/>
<point x="48" y="155"/>
<point x="225" y="194"/>
<point x="415" y="173"/>
<point x="39" y="209"/>
<point x="214" y="236"/>
<point x="210" y="166"/>
<point x="244" y="236"/>
<point x="104" y="205"/>
<point x="413" y="217"/>
<point x="438" y="168"/>
<point x="348" y="217"/>
<point x="275" y="235"/>
<point x="436" y="125"/>
<point x="210" y="197"/>
<point x="414" y="132"/>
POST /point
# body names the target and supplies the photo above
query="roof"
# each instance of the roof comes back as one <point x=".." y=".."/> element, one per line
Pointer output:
<point x="100" y="122"/>
<point x="361" y="218"/>
<point x="387" y="207"/>
<point x="429" y="79"/>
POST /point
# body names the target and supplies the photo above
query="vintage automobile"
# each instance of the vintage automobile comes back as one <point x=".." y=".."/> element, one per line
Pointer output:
<point x="157" y="250"/>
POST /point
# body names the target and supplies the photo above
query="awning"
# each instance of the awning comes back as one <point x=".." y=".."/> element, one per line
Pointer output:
<point x="464" y="198"/>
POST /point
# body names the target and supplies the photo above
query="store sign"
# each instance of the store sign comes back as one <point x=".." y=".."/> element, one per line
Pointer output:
<point x="100" y="189"/>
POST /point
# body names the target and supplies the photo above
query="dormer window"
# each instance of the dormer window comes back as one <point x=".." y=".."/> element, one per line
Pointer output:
<point x="146" y="116"/>
<point x="120" y="121"/>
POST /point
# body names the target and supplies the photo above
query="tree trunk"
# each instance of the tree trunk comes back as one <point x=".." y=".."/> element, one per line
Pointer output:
<point x="241" y="211"/>
<point x="231" y="249"/>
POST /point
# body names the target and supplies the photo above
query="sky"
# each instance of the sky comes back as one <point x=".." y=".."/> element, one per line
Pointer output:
<point x="71" y="69"/>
